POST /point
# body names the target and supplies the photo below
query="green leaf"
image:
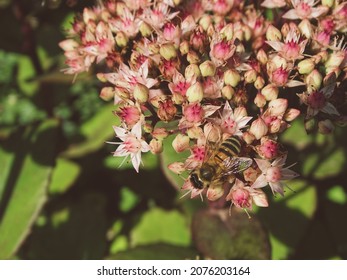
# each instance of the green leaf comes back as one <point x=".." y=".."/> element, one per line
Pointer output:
<point x="220" y="236"/>
<point x="288" y="217"/>
<point x="75" y="229"/>
<point x="158" y="225"/>
<point x="64" y="175"/>
<point x="337" y="194"/>
<point x="95" y="132"/>
<point x="27" y="160"/>
<point x="168" y="156"/>
<point x="128" y="199"/>
<point x="159" y="251"/>
<point x="297" y="136"/>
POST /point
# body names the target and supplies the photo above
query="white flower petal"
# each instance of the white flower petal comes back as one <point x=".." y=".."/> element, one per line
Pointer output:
<point x="277" y="188"/>
<point x="121" y="133"/>
<point x="277" y="46"/>
<point x="263" y="164"/>
<point x="330" y="109"/>
<point x="136" y="130"/>
<point x="291" y="14"/>
<point x="260" y="182"/>
<point x="136" y="160"/>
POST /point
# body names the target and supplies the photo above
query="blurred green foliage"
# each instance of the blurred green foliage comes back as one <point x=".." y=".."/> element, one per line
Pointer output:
<point x="63" y="195"/>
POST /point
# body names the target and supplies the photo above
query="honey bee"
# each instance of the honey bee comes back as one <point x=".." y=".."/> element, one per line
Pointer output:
<point x="221" y="164"/>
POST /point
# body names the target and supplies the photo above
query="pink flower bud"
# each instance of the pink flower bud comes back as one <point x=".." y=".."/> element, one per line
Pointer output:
<point x="259" y="83"/>
<point x="326" y="126"/>
<point x="215" y="192"/>
<point x="280" y="76"/>
<point x="291" y="114"/>
<point x="177" y="167"/>
<point x="316" y="100"/>
<point x="160" y="133"/>
<point x="107" y="93"/>
<point x="121" y="39"/>
<point x="273" y="34"/>
<point x="232" y="77"/>
<point x="207" y="68"/>
<point x="180" y="143"/>
<point x="184" y="47"/>
<point x="277" y="107"/>
<point x="228" y="92"/>
<point x="250" y="76"/>
<point x="250" y="174"/>
<point x="258" y="128"/>
<point x="168" y="51"/>
<point x="141" y="93"/>
<point x="193" y="112"/>
<point x="248" y="137"/>
<point x="306" y="66"/>
<point x="268" y="148"/>
<point x="156" y="146"/>
<point x="314" y="80"/>
<point x="270" y="92"/>
<point x="262" y="57"/>
<point x="167" y="110"/>
<point x="129" y="114"/>
<point x="259" y="100"/>
<point x="195" y="93"/>
<point x="191" y="71"/>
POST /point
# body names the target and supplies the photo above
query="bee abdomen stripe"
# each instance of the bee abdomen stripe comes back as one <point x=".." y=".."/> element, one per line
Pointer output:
<point x="234" y="141"/>
<point x="234" y="148"/>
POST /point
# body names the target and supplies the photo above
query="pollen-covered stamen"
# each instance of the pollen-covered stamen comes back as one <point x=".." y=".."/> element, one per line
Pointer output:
<point x="280" y="76"/>
<point x="291" y="49"/>
<point x="132" y="144"/>
<point x="194" y="113"/>
<point x="198" y="153"/>
<point x="303" y="10"/>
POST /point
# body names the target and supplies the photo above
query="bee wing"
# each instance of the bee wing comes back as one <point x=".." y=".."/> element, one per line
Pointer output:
<point x="236" y="164"/>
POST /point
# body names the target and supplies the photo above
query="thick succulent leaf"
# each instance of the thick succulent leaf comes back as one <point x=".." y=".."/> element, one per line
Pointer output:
<point x="27" y="161"/>
<point x="159" y="251"/>
<point x="220" y="236"/>
<point x="75" y="229"/>
<point x="95" y="133"/>
<point x="64" y="175"/>
<point x="168" y="156"/>
<point x="288" y="217"/>
<point x="158" y="225"/>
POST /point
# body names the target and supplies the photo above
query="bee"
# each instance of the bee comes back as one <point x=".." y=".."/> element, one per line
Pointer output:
<point x="221" y="164"/>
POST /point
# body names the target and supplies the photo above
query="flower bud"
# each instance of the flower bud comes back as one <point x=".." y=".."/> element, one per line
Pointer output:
<point x="335" y="59"/>
<point x="247" y="33"/>
<point x="291" y="114"/>
<point x="306" y="66"/>
<point x="195" y="133"/>
<point x="168" y="51"/>
<point x="121" y="39"/>
<point x="258" y="128"/>
<point x="178" y="98"/>
<point x="259" y="83"/>
<point x="177" y="167"/>
<point x="277" y="107"/>
<point x="248" y="137"/>
<point x="205" y="21"/>
<point x="167" y="110"/>
<point x="273" y="34"/>
<point x="270" y="92"/>
<point x="147" y="128"/>
<point x="268" y="148"/>
<point x="107" y="93"/>
<point x="259" y="100"/>
<point x="145" y="29"/>
<point x="212" y="132"/>
<point x="240" y="111"/>
<point x="328" y="3"/>
<point x="129" y="114"/>
<point x="232" y="77"/>
<point x="310" y="125"/>
<point x="180" y="143"/>
<point x="184" y="47"/>
<point x="228" y="92"/>
<point x="306" y="29"/>
<point x="156" y="146"/>
<point x="207" y="68"/>
<point x="275" y="125"/>
<point x="326" y="126"/>
<point x="141" y="93"/>
<point x="160" y="133"/>
<point x="193" y="57"/>
<point x="313" y="80"/>
<point x="262" y="57"/>
<point x="215" y="192"/>
<point x="227" y="32"/>
<point x="250" y="76"/>
<point x="192" y="70"/>
<point x="195" y="93"/>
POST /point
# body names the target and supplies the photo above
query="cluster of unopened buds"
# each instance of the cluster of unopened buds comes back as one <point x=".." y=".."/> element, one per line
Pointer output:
<point x="207" y="71"/>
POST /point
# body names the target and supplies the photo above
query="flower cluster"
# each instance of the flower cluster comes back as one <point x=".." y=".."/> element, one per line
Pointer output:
<point x="207" y="70"/>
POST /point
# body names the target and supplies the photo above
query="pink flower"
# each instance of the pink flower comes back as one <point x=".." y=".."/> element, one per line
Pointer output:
<point x="233" y="121"/>
<point x="132" y="144"/>
<point x="243" y="196"/>
<point x="127" y="23"/>
<point x="291" y="49"/>
<point x="273" y="174"/>
<point x="221" y="50"/>
<point x="303" y="9"/>
<point x="158" y="15"/>
<point x="270" y="4"/>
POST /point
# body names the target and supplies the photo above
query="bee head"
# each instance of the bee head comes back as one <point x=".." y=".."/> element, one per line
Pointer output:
<point x="207" y="172"/>
<point x="196" y="182"/>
